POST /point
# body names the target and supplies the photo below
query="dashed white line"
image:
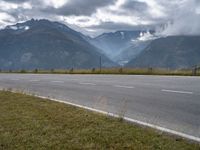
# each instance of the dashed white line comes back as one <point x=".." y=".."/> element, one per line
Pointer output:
<point x="15" y="79"/>
<point x="73" y="79"/>
<point x="179" y="92"/>
<point x="84" y="83"/>
<point x="57" y="81"/>
<point x="34" y="80"/>
<point x="122" y="86"/>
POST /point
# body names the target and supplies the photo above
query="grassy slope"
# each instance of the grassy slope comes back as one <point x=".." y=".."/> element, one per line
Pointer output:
<point x="31" y="123"/>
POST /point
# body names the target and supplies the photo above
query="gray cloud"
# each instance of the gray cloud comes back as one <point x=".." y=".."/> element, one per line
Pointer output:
<point x="80" y="7"/>
<point x="112" y="27"/>
<point x="135" y="6"/>
<point x="17" y="1"/>
<point x="109" y="15"/>
<point x="118" y="26"/>
<point x="139" y="9"/>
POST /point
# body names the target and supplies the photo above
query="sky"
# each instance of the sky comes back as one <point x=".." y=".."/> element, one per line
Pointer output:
<point x="93" y="17"/>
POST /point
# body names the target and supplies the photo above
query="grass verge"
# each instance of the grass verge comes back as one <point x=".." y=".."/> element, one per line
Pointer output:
<point x="114" y="71"/>
<point x="28" y="122"/>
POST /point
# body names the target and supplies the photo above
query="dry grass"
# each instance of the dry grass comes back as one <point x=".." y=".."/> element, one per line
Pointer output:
<point x="120" y="71"/>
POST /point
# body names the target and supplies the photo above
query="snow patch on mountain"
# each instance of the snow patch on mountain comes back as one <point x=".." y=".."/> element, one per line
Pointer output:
<point x="122" y="34"/>
<point x="148" y="36"/>
<point x="15" y="27"/>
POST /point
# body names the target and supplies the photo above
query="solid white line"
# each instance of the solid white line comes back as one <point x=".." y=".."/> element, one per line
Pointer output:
<point x="84" y="83"/>
<point x="180" y="92"/>
<point x="122" y="86"/>
<point x="183" y="135"/>
<point x="57" y="81"/>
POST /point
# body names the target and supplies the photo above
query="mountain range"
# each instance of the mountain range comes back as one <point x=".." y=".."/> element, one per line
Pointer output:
<point x="116" y="44"/>
<point x="43" y="44"/>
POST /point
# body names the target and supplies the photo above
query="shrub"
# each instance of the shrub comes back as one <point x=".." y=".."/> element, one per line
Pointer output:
<point x="52" y="70"/>
<point x="23" y="71"/>
<point x="71" y="70"/>
<point x="93" y="70"/>
<point x="35" y="71"/>
<point x="121" y="70"/>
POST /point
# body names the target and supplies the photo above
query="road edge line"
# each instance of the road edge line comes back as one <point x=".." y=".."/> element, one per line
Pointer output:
<point x="166" y="130"/>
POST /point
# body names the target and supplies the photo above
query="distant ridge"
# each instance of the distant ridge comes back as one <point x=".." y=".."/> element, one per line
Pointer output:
<point x="121" y="46"/>
<point x="174" y="52"/>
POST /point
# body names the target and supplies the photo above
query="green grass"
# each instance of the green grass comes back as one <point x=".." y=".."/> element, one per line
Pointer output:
<point x="120" y="71"/>
<point x="28" y="122"/>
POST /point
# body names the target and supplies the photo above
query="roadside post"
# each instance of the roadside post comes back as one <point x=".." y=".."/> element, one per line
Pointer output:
<point x="100" y="65"/>
<point x="194" y="71"/>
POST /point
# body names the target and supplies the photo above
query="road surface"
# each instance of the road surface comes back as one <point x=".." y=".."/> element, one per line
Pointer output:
<point x="169" y="102"/>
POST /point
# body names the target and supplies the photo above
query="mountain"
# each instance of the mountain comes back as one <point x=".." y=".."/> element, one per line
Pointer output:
<point x="44" y="44"/>
<point x="113" y="43"/>
<point x="174" y="52"/>
<point x="121" y="46"/>
<point x="131" y="52"/>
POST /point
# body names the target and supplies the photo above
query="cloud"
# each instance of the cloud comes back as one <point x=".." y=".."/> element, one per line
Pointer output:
<point x="16" y="1"/>
<point x="184" y="20"/>
<point x="96" y="16"/>
<point x="112" y="27"/>
<point x="6" y="19"/>
<point x="54" y="3"/>
<point x="135" y="6"/>
<point x="81" y="7"/>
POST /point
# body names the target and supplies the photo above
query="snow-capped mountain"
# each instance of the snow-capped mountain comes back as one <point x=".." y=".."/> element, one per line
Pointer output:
<point x="121" y="46"/>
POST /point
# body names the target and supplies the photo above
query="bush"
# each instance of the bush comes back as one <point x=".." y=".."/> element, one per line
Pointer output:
<point x="23" y="71"/>
<point x="35" y="71"/>
<point x="93" y="70"/>
<point x="52" y="70"/>
<point x="71" y="70"/>
<point x="121" y="70"/>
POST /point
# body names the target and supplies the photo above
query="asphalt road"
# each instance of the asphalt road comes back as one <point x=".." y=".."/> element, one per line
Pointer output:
<point x="169" y="102"/>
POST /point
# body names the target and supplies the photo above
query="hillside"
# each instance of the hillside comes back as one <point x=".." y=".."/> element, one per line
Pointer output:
<point x="131" y="52"/>
<point x="173" y="52"/>
<point x="43" y="44"/>
<point x="113" y="43"/>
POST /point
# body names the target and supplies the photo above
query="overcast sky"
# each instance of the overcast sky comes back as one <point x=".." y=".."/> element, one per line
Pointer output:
<point x="97" y="16"/>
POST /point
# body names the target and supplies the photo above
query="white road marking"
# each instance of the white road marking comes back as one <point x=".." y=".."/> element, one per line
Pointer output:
<point x="57" y="81"/>
<point x="73" y="79"/>
<point x="84" y="83"/>
<point x="122" y="86"/>
<point x="34" y="80"/>
<point x="15" y="79"/>
<point x="181" y="134"/>
<point x="180" y="92"/>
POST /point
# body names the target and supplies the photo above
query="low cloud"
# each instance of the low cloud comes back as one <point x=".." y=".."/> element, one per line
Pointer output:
<point x="185" y="20"/>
